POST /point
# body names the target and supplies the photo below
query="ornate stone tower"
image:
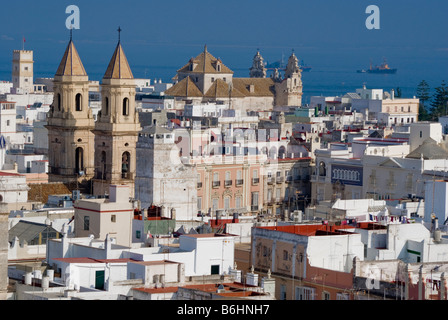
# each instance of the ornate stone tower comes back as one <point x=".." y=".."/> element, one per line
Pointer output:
<point x="289" y="90"/>
<point x="117" y="126"/>
<point x="258" y="70"/>
<point x="70" y="123"/>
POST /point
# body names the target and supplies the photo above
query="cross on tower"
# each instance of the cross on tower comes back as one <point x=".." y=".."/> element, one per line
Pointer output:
<point x="119" y="34"/>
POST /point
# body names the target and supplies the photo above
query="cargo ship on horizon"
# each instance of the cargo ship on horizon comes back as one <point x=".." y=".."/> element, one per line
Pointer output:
<point x="381" y="69"/>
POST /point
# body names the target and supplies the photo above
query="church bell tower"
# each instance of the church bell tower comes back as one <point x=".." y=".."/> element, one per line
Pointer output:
<point x="70" y="123"/>
<point x="117" y="126"/>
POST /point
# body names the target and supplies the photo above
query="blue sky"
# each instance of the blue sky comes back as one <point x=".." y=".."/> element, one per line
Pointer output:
<point x="167" y="33"/>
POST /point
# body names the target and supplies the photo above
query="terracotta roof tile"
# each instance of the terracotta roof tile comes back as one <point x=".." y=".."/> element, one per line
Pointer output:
<point x="261" y="86"/>
<point x="118" y="66"/>
<point x="184" y="88"/>
<point x="220" y="89"/>
<point x="71" y="64"/>
<point x="41" y="191"/>
<point x="205" y="63"/>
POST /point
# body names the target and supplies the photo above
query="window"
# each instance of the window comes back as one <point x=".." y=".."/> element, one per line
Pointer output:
<point x="102" y="168"/>
<point x="138" y="234"/>
<point x="325" y="295"/>
<point x="125" y="165"/>
<point x="125" y="106"/>
<point x="215" y="204"/>
<point x="78" y="102"/>
<point x="342" y="296"/>
<point x="79" y="160"/>
<point x="269" y="195"/>
<point x="106" y="106"/>
<point x="215" y="269"/>
<point x="86" y="223"/>
<point x="285" y="255"/>
<point x="7" y="122"/>
<point x="304" y="293"/>
<point x="254" y="201"/>
<point x="227" y="203"/>
<point x="113" y="218"/>
<point x="238" y="202"/>
<point x="59" y="101"/>
<point x="283" y="292"/>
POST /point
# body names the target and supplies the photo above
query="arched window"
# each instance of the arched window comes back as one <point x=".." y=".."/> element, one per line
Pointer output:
<point x="281" y="152"/>
<point x="79" y="160"/>
<point x="101" y="173"/>
<point x="59" y="101"/>
<point x="78" y="102"/>
<point x="125" y="106"/>
<point x="125" y="165"/>
<point x="106" y="106"/>
<point x="322" y="169"/>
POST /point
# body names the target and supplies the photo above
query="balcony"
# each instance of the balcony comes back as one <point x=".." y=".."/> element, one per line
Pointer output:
<point x="216" y="184"/>
<point x="239" y="182"/>
<point x="270" y="180"/>
<point x="254" y="208"/>
<point x="255" y="181"/>
<point x="227" y="183"/>
<point x="279" y="180"/>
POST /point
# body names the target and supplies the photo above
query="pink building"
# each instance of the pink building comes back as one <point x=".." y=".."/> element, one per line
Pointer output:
<point x="230" y="186"/>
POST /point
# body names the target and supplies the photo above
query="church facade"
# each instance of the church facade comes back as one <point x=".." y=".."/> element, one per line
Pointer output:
<point x="206" y="79"/>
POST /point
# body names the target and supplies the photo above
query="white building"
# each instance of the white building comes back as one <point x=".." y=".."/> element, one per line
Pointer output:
<point x="436" y="195"/>
<point x="153" y="102"/>
<point x="409" y="242"/>
<point x="82" y="261"/>
<point x="8" y="122"/>
<point x="5" y="87"/>
<point x="421" y="131"/>
<point x="204" y="110"/>
<point x="161" y="178"/>
<point x="103" y="217"/>
<point x="13" y="192"/>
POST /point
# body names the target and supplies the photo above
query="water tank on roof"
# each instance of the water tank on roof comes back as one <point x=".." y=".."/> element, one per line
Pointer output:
<point x="437" y="235"/>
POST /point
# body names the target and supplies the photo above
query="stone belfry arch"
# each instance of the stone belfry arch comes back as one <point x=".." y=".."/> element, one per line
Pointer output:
<point x="117" y="126"/>
<point x="70" y="123"/>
